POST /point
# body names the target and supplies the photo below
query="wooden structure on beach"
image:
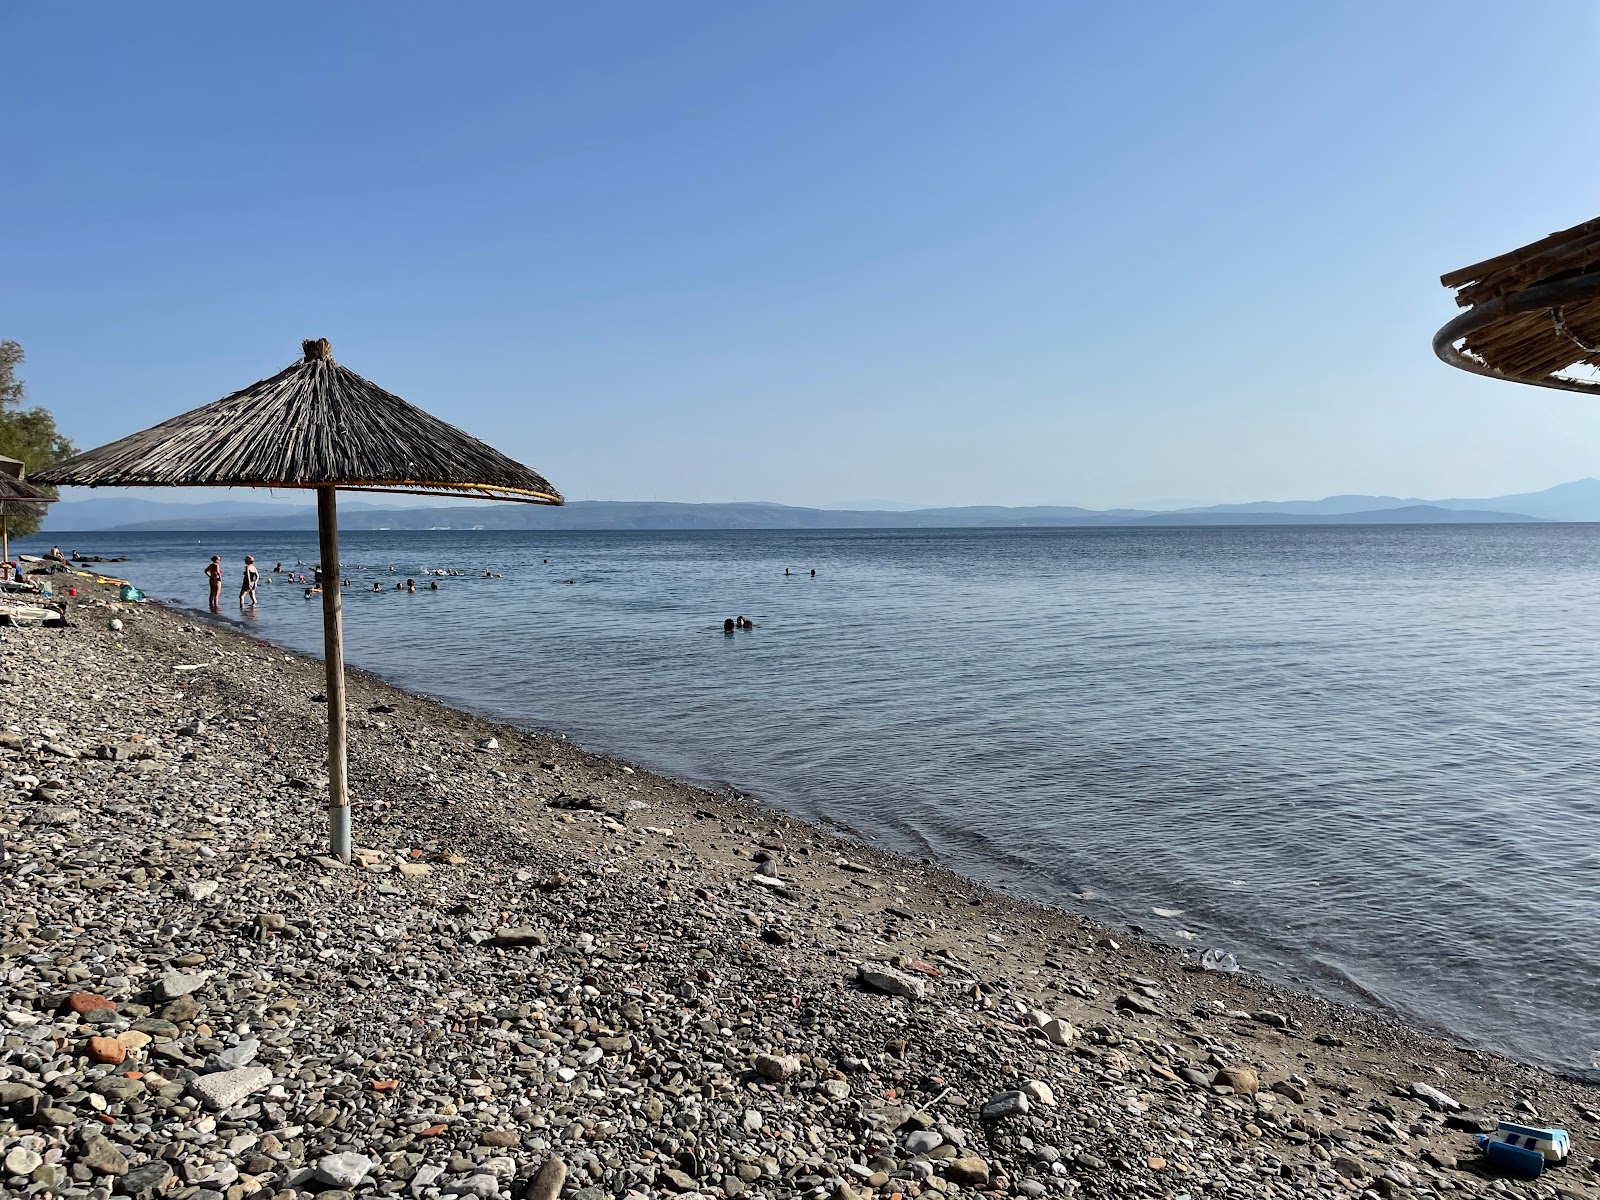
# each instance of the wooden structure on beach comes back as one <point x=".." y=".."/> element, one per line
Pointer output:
<point x="18" y="498"/>
<point x="320" y="426"/>
<point x="1533" y="314"/>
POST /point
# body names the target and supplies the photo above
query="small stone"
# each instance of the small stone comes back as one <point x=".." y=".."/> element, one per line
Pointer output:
<point x="482" y="1185"/>
<point x="677" y="1180"/>
<point x="520" y="935"/>
<point x="1276" y="1019"/>
<point x="224" y="1089"/>
<point x="1350" y="1168"/>
<point x="1241" y="1079"/>
<point x="101" y="1157"/>
<point x="1137" y="1004"/>
<point x="106" y="1050"/>
<point x="18" y="1099"/>
<point x="921" y="1141"/>
<point x="184" y="1008"/>
<point x="548" y="1182"/>
<point x="1434" y="1098"/>
<point x="1058" y="1033"/>
<point x="503" y="1139"/>
<point x="972" y="1171"/>
<point x="173" y="983"/>
<point x="21" y="1161"/>
<point x="343" y="1170"/>
<point x="234" y="1057"/>
<point x="83" y="1002"/>
<point x="777" y="1067"/>
<point x="146" y="1181"/>
<point x="1038" y="1092"/>
<point x="886" y="979"/>
<point x="1439" y="1160"/>
<point x="1005" y="1104"/>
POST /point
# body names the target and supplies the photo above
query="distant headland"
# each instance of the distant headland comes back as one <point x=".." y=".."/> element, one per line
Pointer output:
<point x="1576" y="501"/>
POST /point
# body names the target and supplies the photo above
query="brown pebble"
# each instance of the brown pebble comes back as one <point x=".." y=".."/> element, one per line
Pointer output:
<point x="106" y="1050"/>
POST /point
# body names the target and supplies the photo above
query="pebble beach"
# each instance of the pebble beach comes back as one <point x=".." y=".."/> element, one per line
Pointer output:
<point x="550" y="973"/>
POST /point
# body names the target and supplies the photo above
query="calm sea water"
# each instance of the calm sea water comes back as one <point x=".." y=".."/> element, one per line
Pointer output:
<point x="1363" y="759"/>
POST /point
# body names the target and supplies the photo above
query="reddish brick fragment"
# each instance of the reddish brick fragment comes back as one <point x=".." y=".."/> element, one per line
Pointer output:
<point x="82" y="1002"/>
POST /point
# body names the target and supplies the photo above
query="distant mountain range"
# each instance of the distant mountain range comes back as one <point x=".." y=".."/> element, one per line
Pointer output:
<point x="1577" y="501"/>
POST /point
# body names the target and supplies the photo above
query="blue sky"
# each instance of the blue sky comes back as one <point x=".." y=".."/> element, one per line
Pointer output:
<point x="924" y="251"/>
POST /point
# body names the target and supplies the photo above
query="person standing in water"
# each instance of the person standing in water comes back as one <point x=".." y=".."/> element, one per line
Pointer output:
<point x="214" y="579"/>
<point x="247" y="584"/>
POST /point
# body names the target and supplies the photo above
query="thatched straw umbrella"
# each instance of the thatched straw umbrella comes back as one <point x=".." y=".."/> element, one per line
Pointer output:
<point x="321" y="426"/>
<point x="17" y="499"/>
<point x="1532" y="314"/>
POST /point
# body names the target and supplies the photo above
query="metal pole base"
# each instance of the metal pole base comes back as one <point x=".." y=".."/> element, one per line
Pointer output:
<point x="339" y="832"/>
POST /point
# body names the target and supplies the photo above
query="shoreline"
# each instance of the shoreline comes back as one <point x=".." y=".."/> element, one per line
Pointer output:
<point x="627" y="965"/>
<point x="1354" y="998"/>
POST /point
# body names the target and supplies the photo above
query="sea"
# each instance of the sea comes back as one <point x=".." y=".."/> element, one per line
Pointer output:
<point x="1362" y="760"/>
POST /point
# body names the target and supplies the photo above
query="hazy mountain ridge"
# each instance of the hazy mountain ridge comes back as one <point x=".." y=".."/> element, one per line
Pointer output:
<point x="1576" y="501"/>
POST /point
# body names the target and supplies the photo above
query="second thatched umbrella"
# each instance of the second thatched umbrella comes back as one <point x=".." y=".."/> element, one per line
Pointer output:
<point x="17" y="499"/>
<point x="321" y="426"/>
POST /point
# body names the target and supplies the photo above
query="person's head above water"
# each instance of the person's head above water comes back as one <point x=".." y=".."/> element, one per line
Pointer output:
<point x="727" y="626"/>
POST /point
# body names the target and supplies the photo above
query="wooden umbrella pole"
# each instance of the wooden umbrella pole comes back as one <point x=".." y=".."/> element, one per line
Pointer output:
<point x="5" y="539"/>
<point x="333" y="658"/>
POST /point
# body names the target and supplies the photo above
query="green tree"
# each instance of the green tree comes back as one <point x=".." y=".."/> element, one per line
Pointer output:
<point x="25" y="433"/>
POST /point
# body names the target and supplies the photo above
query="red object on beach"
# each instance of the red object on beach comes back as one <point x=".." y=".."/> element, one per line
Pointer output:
<point x="72" y="591"/>
<point x="82" y="1002"/>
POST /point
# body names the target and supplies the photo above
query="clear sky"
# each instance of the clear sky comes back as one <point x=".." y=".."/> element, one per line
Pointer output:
<point x="919" y="250"/>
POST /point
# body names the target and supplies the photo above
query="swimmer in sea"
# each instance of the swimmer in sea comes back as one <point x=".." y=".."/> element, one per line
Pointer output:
<point x="377" y="587"/>
<point x="813" y="572"/>
<point x="727" y="625"/>
<point x="411" y="586"/>
<point x="744" y="623"/>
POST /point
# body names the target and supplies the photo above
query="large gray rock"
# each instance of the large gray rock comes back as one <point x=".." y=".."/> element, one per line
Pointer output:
<point x="224" y="1089"/>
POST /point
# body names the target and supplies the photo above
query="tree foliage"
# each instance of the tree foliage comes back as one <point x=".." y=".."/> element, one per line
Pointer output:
<point x="25" y="433"/>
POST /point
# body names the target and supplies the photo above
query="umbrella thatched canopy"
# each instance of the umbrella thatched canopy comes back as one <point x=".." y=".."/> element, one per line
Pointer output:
<point x="313" y="425"/>
<point x="17" y="499"/>
<point x="1532" y="313"/>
